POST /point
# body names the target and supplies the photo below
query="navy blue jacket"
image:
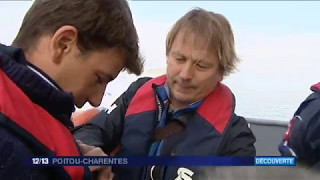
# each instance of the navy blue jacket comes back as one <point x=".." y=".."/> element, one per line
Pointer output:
<point x="16" y="143"/>
<point x="210" y="128"/>
<point x="302" y="138"/>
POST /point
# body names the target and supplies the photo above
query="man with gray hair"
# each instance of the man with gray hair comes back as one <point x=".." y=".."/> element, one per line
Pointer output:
<point x="186" y="112"/>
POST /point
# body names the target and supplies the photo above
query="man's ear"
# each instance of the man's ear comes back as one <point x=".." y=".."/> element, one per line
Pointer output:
<point x="63" y="41"/>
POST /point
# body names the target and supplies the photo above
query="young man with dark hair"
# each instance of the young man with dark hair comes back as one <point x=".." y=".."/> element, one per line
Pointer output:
<point x="65" y="54"/>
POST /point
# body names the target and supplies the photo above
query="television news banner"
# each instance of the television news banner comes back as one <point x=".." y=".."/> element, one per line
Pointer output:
<point x="162" y="161"/>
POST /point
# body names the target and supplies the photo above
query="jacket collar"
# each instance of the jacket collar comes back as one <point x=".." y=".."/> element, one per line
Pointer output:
<point x="38" y="86"/>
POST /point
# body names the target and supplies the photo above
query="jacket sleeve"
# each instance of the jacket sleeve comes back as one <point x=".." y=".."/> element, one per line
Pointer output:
<point x="239" y="140"/>
<point x="14" y="154"/>
<point x="304" y="140"/>
<point x="105" y="129"/>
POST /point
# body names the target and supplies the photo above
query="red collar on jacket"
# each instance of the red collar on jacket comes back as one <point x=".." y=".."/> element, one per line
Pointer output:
<point x="217" y="108"/>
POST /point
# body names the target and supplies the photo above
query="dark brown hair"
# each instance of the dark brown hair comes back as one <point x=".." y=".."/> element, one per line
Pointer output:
<point x="100" y="24"/>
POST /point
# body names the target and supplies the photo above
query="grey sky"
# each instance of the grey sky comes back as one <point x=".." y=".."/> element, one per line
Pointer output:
<point x="278" y="42"/>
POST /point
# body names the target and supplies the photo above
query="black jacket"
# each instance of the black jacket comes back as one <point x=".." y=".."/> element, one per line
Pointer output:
<point x="133" y="131"/>
<point x="16" y="144"/>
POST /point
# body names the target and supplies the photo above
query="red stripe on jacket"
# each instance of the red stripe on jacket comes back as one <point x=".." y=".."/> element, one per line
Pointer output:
<point x="217" y="107"/>
<point x="39" y="123"/>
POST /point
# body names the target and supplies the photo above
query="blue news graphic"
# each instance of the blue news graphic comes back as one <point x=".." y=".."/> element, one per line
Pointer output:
<point x="79" y="161"/>
<point x="97" y="161"/>
<point x="163" y="161"/>
<point x="144" y="161"/>
<point x="275" y="161"/>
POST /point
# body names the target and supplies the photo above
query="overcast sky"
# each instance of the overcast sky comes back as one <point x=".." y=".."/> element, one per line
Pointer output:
<point x="278" y="42"/>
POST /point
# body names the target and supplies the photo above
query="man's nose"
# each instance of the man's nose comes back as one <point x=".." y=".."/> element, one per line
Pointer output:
<point x="187" y="71"/>
<point x="96" y="98"/>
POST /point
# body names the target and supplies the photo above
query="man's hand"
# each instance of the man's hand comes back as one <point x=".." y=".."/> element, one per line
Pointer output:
<point x="104" y="171"/>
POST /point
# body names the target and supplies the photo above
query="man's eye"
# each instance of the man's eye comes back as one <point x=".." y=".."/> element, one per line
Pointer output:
<point x="179" y="59"/>
<point x="201" y="66"/>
